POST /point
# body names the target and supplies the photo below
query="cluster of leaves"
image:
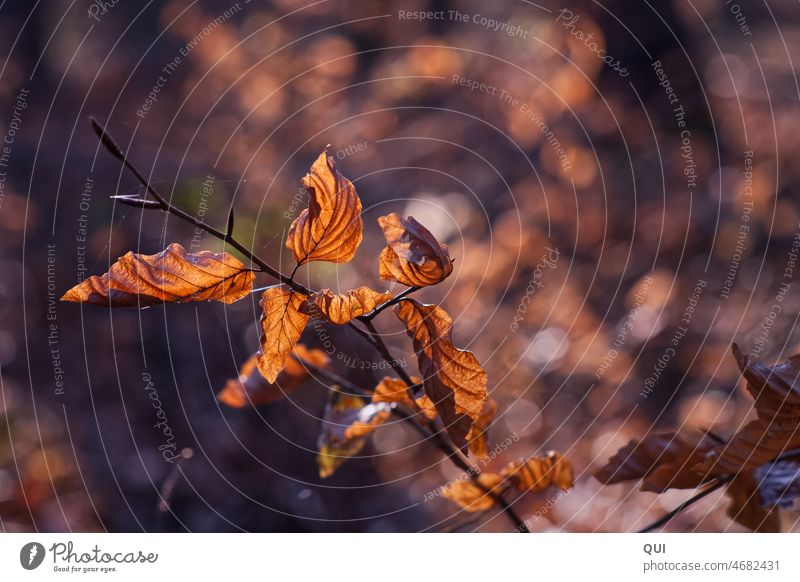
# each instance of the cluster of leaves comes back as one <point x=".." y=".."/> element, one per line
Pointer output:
<point x="450" y="395"/>
<point x="755" y="464"/>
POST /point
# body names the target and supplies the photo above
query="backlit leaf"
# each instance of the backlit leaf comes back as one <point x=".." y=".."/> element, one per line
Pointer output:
<point x="171" y="276"/>
<point x="341" y="308"/>
<point x="453" y="379"/>
<point x="412" y="256"/>
<point x="395" y="390"/>
<point x="346" y="424"/>
<point x="251" y="388"/>
<point x="472" y="497"/>
<point x="478" y="433"/>
<point x="330" y="229"/>
<point x="538" y="473"/>
<point x="282" y="323"/>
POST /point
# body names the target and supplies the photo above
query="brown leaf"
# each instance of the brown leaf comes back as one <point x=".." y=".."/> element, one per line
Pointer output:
<point x="538" y="473"/>
<point x="395" y="390"/>
<point x="282" y="323"/>
<point x="478" y="433"/>
<point x="776" y="391"/>
<point x="453" y="379"/>
<point x="346" y="424"/>
<point x="470" y="496"/>
<point x="662" y="461"/>
<point x="330" y="229"/>
<point x="747" y="508"/>
<point x="341" y="308"/>
<point x="171" y="276"/>
<point x="251" y="388"/>
<point x="413" y="256"/>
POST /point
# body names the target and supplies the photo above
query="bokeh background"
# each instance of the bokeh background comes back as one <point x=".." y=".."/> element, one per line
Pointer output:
<point x="641" y="213"/>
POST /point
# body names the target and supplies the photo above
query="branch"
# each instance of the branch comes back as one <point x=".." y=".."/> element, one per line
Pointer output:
<point x="688" y="503"/>
<point x="394" y="301"/>
<point x="165" y="206"/>
<point x="446" y="448"/>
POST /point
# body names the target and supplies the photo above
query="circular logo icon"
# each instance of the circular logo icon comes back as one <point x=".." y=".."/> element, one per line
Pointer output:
<point x="31" y="555"/>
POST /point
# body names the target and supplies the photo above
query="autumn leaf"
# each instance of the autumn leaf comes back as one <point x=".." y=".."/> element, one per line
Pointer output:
<point x="538" y="473"/>
<point x="251" y="388"/>
<point x="748" y="508"/>
<point x="453" y="379"/>
<point x="341" y="308"/>
<point x="661" y="461"/>
<point x="282" y="323"/>
<point x="347" y="422"/>
<point x="330" y="229"/>
<point x="412" y="256"/>
<point x="477" y="436"/>
<point x="473" y="497"/>
<point x="171" y="276"/>
<point x="776" y="391"/>
<point x="395" y="390"/>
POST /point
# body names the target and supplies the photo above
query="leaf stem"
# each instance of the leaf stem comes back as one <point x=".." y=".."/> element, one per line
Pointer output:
<point x="394" y="301"/>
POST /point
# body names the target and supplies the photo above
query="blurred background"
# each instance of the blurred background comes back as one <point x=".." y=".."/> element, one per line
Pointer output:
<point x="614" y="179"/>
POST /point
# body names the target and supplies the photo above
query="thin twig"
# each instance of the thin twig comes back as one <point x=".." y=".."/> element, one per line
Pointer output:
<point x="688" y="503"/>
<point x="393" y="301"/>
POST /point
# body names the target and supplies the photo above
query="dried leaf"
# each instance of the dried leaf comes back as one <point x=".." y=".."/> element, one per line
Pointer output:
<point x="778" y="483"/>
<point x="171" y="276"/>
<point x="413" y="256"/>
<point x="776" y="391"/>
<point x="341" y="308"/>
<point x="747" y="508"/>
<point x="662" y="461"/>
<point x="538" y="473"/>
<point x="395" y="390"/>
<point x="453" y="379"/>
<point x="470" y="496"/>
<point x="478" y="433"/>
<point x="252" y="389"/>
<point x="282" y="323"/>
<point x="330" y="229"/>
<point x="346" y="424"/>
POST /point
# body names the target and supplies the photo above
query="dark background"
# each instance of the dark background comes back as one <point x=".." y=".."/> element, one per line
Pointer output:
<point x="252" y="104"/>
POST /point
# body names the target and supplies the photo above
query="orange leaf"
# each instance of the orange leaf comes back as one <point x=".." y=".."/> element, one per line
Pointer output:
<point x="345" y="426"/>
<point x="453" y="379"/>
<point x="478" y="433"/>
<point x="538" y="473"/>
<point x="395" y="390"/>
<point x="282" y="323"/>
<point x="330" y="229"/>
<point x="341" y="308"/>
<point x="251" y="388"/>
<point x="171" y="276"/>
<point x="472" y="497"/>
<point x="413" y="256"/>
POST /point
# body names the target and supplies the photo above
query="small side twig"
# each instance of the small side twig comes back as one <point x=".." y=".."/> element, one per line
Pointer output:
<point x="713" y="486"/>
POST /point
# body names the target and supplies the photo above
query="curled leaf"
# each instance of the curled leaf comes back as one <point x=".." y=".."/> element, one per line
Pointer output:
<point x="395" y="390"/>
<point x="412" y="256"/>
<point x="778" y="483"/>
<point x="282" y="323"/>
<point x="330" y="229"/>
<point x="171" y="276"/>
<point x="250" y="388"/>
<point x="347" y="422"/>
<point x="453" y="379"/>
<point x="538" y="473"/>
<point x="471" y="496"/>
<point x="776" y="391"/>
<point x="477" y="436"/>
<point x="341" y="308"/>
